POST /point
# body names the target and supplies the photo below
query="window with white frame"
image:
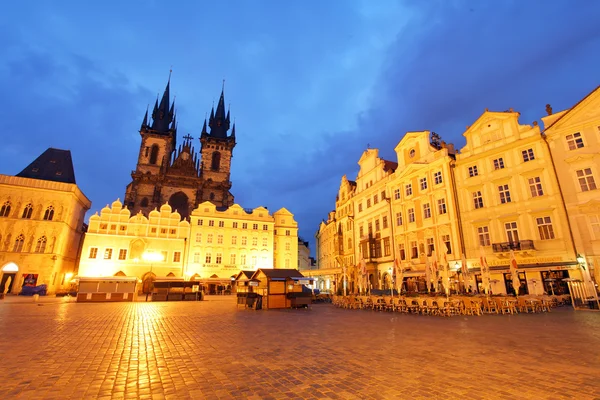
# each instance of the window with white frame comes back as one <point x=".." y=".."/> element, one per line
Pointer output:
<point x="423" y="183"/>
<point x="527" y="155"/>
<point x="254" y="241"/>
<point x="512" y="233"/>
<point x="265" y="242"/>
<point x="375" y="199"/>
<point x="196" y="258"/>
<point x="221" y="224"/>
<point x="498" y="163"/>
<point x="398" y="218"/>
<point x="253" y="260"/>
<point x="255" y="227"/>
<point x="234" y="240"/>
<point x="446" y="241"/>
<point x="414" y="249"/>
<point x="211" y="222"/>
<point x="368" y="203"/>
<point x="437" y="177"/>
<point x="176" y="256"/>
<point x="430" y="246"/>
<point x="384" y="221"/>
<point x="359" y="207"/>
<point x="361" y="230"/>
<point x="235" y="224"/>
<point x="377" y="226"/>
<point x="477" y="199"/>
<point x="208" y="258"/>
<point x="544" y="225"/>
<point x="586" y="179"/>
<point x="574" y="141"/>
<point x="218" y="258"/>
<point x="122" y="254"/>
<point x="93" y="252"/>
<point x="265" y="227"/>
<point x="209" y="238"/>
<point x="244" y="240"/>
<point x="504" y="194"/>
<point x="200" y="222"/>
<point x="441" y="203"/>
<point x="408" y="190"/>
<point x="411" y="215"/>
<point x="396" y="194"/>
<point x="535" y="186"/>
<point x="242" y="259"/>
<point x="198" y="237"/>
<point x="595" y="224"/>
<point x="232" y="259"/>
<point x="108" y="254"/>
<point x="483" y="233"/>
<point x="244" y="225"/>
<point x="473" y="171"/>
<point x="219" y="239"/>
<point x="402" y="251"/>
<point x="426" y="211"/>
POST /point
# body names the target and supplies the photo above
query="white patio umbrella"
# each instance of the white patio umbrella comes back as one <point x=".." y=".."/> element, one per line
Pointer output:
<point x="465" y="271"/>
<point x="399" y="269"/>
<point x="514" y="273"/>
<point x="485" y="270"/>
<point x="445" y="274"/>
<point x="434" y="269"/>
<point x="363" y="273"/>
<point x="428" y="274"/>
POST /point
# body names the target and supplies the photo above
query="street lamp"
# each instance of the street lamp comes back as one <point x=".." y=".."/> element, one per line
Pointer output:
<point x="580" y="260"/>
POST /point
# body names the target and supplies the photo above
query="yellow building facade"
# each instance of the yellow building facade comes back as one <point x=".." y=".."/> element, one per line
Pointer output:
<point x="41" y="224"/>
<point x="573" y="136"/>
<point x="509" y="199"/>
<point x="424" y="209"/>
<point x="214" y="245"/>
<point x="119" y="244"/>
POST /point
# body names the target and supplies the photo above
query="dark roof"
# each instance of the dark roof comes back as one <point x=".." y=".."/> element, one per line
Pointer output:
<point x="247" y="274"/>
<point x="52" y="165"/>
<point x="387" y="165"/>
<point x="280" y="273"/>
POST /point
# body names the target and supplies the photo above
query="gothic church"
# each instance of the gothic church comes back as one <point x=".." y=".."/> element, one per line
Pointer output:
<point x="180" y="176"/>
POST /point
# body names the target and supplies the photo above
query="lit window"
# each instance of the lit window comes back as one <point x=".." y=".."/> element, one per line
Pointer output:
<point x="402" y="251"/>
<point x="426" y="211"/>
<point x="430" y="246"/>
<point x="423" y="183"/>
<point x="498" y="163"/>
<point x="477" y="199"/>
<point x="527" y="155"/>
<point x="108" y="254"/>
<point x="446" y="240"/>
<point x="484" y="235"/>
<point x="574" y="141"/>
<point x="504" y="194"/>
<point x="535" y="186"/>
<point x="437" y="176"/>
<point x="586" y="179"/>
<point x="473" y="171"/>
<point x="93" y="252"/>
<point x="40" y="247"/>
<point x="545" y="228"/>
<point x="411" y="215"/>
<point x="441" y="206"/>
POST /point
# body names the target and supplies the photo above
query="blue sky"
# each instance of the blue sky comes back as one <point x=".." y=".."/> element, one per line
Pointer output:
<point x="311" y="83"/>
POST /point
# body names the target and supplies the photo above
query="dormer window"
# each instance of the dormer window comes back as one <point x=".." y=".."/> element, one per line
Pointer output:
<point x="412" y="153"/>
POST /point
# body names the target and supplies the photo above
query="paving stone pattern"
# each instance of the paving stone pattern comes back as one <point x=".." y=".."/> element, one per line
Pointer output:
<point x="215" y="350"/>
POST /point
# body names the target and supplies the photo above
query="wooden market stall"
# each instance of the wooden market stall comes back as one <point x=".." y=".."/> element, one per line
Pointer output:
<point x="107" y="288"/>
<point x="244" y="286"/>
<point x="281" y="288"/>
<point x="176" y="289"/>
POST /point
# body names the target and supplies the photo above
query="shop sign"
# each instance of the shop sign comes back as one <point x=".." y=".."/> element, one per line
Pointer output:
<point x="521" y="261"/>
<point x="252" y="283"/>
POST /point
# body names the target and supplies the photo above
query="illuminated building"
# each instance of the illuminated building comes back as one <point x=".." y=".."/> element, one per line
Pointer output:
<point x="424" y="209"/>
<point x="303" y="255"/>
<point x="41" y="223"/>
<point x="573" y="136"/>
<point x="117" y="243"/>
<point x="509" y="199"/>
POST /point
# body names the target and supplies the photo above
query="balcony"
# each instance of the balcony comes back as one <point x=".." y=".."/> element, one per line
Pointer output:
<point x="508" y="246"/>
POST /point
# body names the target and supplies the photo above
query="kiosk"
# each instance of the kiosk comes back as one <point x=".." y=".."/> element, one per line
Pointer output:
<point x="109" y="288"/>
<point x="281" y="288"/>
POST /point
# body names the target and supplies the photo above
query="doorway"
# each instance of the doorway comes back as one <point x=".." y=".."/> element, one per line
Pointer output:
<point x="7" y="282"/>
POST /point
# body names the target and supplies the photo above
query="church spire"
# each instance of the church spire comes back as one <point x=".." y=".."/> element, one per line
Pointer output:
<point x="145" y="121"/>
<point x="219" y="122"/>
<point x="163" y="113"/>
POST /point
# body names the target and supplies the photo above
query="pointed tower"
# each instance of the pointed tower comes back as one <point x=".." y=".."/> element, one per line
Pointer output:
<point x="216" y="148"/>
<point x="158" y="142"/>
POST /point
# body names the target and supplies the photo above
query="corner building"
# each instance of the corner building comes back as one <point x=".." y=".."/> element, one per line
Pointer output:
<point x="509" y="199"/>
<point x="41" y="224"/>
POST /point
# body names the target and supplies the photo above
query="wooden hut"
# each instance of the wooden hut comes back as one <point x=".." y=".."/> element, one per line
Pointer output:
<point x="281" y="288"/>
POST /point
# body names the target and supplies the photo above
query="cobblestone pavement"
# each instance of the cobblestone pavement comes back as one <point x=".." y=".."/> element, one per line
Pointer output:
<point x="214" y="350"/>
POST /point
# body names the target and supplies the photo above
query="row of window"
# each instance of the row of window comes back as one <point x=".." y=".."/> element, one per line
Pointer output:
<point x="374" y="223"/>
<point x="234" y="241"/>
<point x="544" y="225"/>
<point x="234" y="224"/>
<point x="426" y="248"/>
<point x="441" y="209"/>
<point x="498" y="163"/>
<point x="376" y="248"/>
<point x="40" y="246"/>
<point x="27" y="211"/>
<point x="108" y="254"/>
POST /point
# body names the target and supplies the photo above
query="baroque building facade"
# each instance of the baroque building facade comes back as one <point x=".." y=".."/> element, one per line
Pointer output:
<point x="180" y="176"/>
<point x="512" y="189"/>
<point x="41" y="224"/>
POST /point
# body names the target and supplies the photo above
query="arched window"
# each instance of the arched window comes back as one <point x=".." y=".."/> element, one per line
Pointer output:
<point x="19" y="243"/>
<point x="27" y="211"/>
<point x="154" y="154"/>
<point x="5" y="210"/>
<point x="49" y="214"/>
<point x="40" y="247"/>
<point x="216" y="161"/>
<point x="144" y="202"/>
